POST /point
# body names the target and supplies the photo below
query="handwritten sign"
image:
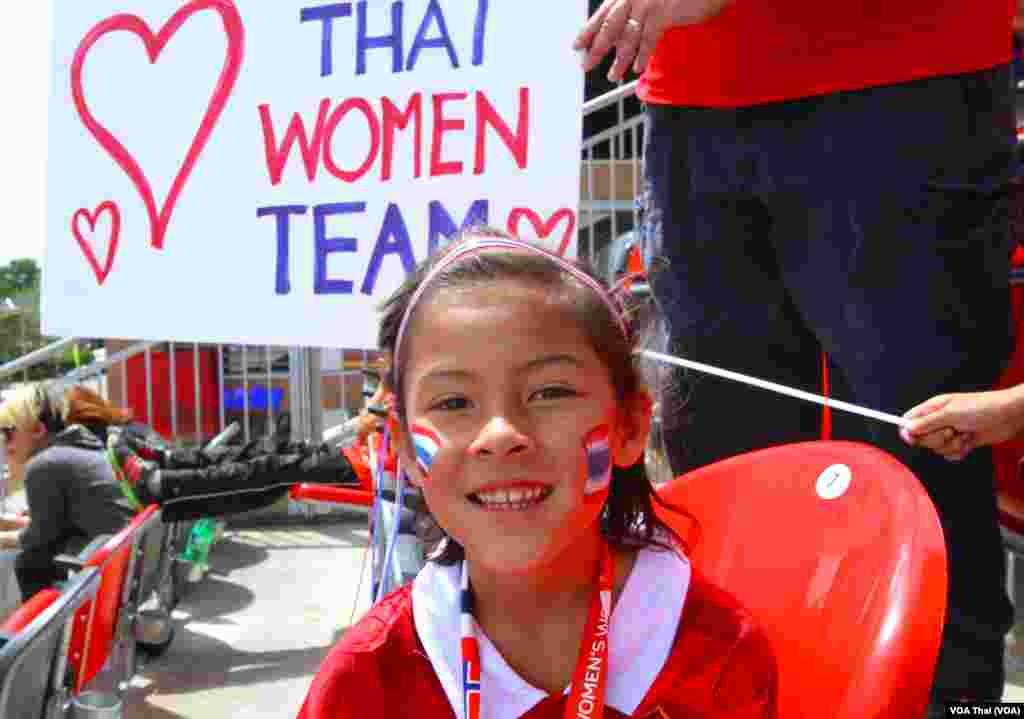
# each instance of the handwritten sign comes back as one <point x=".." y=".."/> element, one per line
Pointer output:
<point x="268" y="172"/>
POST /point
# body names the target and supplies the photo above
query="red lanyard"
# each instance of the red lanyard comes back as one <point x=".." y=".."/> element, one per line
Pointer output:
<point x="586" y="696"/>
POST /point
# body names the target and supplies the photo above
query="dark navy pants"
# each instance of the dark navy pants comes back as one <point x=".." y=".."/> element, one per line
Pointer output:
<point x="871" y="225"/>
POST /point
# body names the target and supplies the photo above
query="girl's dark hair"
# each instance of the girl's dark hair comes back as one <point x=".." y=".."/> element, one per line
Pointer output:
<point x="628" y="518"/>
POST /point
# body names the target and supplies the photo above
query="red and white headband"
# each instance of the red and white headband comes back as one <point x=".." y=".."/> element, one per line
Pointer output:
<point x="476" y="245"/>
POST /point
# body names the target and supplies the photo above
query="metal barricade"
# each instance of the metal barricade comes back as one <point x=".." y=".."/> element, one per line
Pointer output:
<point x="101" y="651"/>
<point x="35" y="643"/>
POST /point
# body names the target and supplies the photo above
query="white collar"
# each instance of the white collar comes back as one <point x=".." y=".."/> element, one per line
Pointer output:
<point x="643" y="629"/>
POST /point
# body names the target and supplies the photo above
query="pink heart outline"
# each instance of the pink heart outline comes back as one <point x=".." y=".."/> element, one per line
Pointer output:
<point x="115" y="232"/>
<point x="544" y="227"/>
<point x="155" y="44"/>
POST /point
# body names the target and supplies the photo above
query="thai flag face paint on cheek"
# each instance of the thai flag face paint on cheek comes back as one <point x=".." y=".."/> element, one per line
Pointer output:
<point x="598" y="452"/>
<point x="426" y="442"/>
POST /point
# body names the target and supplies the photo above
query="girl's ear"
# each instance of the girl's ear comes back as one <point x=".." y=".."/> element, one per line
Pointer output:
<point x="631" y="429"/>
<point x="39" y="433"/>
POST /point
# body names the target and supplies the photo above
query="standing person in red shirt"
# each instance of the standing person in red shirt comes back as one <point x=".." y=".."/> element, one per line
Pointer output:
<point x="555" y="590"/>
<point x="832" y="177"/>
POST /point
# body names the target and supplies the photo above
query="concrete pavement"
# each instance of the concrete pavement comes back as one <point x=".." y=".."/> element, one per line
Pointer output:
<point x="251" y="635"/>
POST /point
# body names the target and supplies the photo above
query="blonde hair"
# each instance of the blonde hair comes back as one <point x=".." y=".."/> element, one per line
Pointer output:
<point x="21" y="408"/>
<point x="73" y="405"/>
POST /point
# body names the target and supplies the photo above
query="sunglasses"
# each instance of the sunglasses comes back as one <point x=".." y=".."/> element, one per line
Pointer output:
<point x="7" y="433"/>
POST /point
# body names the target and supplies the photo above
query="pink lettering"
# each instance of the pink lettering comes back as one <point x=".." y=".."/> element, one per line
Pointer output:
<point x="309" y="138"/>
<point x="309" y="147"/>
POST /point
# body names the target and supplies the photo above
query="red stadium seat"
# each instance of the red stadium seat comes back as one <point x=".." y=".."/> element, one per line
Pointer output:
<point x="838" y="551"/>
<point x="362" y="458"/>
<point x="99" y="627"/>
<point x="330" y="493"/>
<point x="27" y="612"/>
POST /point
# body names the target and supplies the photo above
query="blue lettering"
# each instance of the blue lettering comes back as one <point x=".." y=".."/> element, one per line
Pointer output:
<point x="393" y="40"/>
<point x="325" y="246"/>
<point x="445" y="40"/>
<point x="326" y="14"/>
<point x="283" y="213"/>
<point x="392" y="240"/>
<point x="442" y="226"/>
<point x="480" y="32"/>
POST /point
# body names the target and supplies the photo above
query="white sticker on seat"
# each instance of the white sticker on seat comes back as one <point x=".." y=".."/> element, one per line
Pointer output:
<point x="834" y="481"/>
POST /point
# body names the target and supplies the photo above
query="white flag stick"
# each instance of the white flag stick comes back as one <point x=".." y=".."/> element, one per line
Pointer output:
<point x="781" y="389"/>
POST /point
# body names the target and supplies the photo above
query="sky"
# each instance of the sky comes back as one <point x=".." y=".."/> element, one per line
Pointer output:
<point x="25" y="56"/>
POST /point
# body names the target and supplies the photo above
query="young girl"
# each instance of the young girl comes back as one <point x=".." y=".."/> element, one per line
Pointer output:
<point x="555" y="591"/>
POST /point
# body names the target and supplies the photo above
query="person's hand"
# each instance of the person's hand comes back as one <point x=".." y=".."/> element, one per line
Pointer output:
<point x="1018" y="17"/>
<point x="379" y="396"/>
<point x="9" y="540"/>
<point x="368" y="422"/>
<point x="14" y="521"/>
<point x="633" y="28"/>
<point x="954" y="424"/>
<point x="366" y="425"/>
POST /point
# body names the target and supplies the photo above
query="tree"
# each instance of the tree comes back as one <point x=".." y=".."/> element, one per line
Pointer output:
<point x="19" y="276"/>
<point x="20" y="330"/>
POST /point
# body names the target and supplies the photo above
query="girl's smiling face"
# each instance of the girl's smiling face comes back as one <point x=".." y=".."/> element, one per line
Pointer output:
<point x="510" y="384"/>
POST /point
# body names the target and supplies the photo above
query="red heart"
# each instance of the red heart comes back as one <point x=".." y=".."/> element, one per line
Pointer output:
<point x="115" y="232"/>
<point x="542" y="227"/>
<point x="158" y="221"/>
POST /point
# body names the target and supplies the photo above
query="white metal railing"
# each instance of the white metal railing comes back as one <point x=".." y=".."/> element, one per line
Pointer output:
<point x="611" y="173"/>
<point x="612" y="97"/>
<point x="226" y="383"/>
<point x="96" y="368"/>
<point x="254" y="384"/>
<point x="35" y="357"/>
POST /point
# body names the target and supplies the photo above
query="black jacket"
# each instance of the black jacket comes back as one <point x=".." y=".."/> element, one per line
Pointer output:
<point x="72" y="497"/>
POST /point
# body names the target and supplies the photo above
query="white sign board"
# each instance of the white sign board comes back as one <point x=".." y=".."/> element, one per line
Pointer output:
<point x="268" y="172"/>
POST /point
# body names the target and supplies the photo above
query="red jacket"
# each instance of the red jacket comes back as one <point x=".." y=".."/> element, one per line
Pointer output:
<point x="720" y="666"/>
<point x="758" y="51"/>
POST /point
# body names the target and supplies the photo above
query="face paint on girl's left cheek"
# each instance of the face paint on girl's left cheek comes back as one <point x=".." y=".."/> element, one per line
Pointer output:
<point x="597" y="452"/>
<point x="426" y="443"/>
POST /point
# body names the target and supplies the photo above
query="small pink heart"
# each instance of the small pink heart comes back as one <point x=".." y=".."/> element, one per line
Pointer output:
<point x="115" y="232"/>
<point x="544" y="228"/>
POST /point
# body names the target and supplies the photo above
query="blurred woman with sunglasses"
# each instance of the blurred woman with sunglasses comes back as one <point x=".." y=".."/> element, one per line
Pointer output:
<point x="54" y="440"/>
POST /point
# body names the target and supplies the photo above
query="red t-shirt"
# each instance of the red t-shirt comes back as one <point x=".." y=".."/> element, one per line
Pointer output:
<point x="758" y="51"/>
<point x="721" y="666"/>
